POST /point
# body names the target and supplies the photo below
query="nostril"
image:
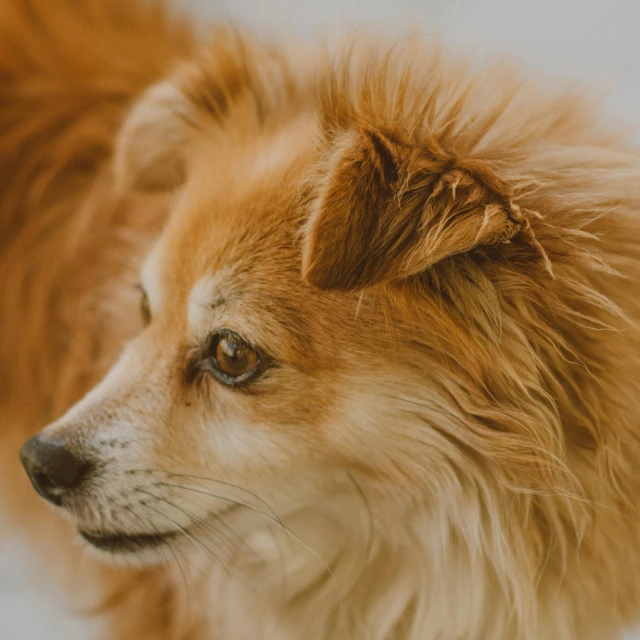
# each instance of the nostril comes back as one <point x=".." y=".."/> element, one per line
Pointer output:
<point x="46" y="488"/>
<point x="52" y="468"/>
<point x="42" y="480"/>
<point x="82" y="470"/>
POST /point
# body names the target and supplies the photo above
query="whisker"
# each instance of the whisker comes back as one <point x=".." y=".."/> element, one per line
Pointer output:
<point x="276" y="520"/>
<point x="226" y="484"/>
<point x="365" y="500"/>
<point x="223" y="498"/>
<point x="144" y="522"/>
<point x="219" y="519"/>
<point x="156" y="531"/>
<point x="182" y="529"/>
<point x="220" y="535"/>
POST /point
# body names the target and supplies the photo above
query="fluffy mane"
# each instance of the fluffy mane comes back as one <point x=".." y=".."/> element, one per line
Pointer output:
<point x="510" y="508"/>
<point x="535" y="336"/>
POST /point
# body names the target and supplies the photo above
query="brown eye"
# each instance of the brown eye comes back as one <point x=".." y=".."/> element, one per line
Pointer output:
<point x="234" y="357"/>
<point x="145" y="309"/>
<point x="228" y="358"/>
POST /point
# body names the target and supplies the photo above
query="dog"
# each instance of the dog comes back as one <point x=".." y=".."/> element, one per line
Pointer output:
<point x="331" y="345"/>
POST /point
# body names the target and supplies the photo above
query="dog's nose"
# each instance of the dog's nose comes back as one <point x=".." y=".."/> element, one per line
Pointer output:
<point x="51" y="467"/>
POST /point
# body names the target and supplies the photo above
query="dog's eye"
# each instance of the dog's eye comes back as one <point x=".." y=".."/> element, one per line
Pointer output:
<point x="234" y="358"/>
<point x="229" y="358"/>
<point x="145" y="308"/>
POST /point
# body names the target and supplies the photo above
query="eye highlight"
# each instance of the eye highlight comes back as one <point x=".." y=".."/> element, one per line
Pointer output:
<point x="230" y="359"/>
<point x="234" y="357"/>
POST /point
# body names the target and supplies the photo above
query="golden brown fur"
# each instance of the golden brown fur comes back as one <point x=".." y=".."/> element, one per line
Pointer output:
<point x="68" y="71"/>
<point x="444" y="265"/>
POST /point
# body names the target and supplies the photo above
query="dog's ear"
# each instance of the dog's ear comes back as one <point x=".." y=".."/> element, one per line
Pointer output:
<point x="150" y="148"/>
<point x="386" y="210"/>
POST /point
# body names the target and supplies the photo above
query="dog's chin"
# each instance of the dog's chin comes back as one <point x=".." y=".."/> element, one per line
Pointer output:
<point x="120" y="547"/>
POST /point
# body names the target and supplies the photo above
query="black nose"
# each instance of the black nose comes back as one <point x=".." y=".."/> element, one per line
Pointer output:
<point x="52" y="469"/>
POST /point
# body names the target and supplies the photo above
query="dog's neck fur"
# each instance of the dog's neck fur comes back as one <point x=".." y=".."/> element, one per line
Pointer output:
<point x="446" y="584"/>
<point x="463" y="559"/>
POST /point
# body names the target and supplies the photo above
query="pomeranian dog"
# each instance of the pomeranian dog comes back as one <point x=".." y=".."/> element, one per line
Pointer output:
<point x="331" y="347"/>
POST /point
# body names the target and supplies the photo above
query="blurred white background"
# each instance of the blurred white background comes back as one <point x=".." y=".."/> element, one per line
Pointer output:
<point x="590" y="40"/>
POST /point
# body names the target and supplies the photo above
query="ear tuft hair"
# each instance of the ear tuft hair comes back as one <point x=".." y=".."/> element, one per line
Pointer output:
<point x="386" y="210"/>
<point x="150" y="148"/>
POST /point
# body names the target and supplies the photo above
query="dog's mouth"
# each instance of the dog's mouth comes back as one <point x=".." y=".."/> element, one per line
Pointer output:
<point x="126" y="543"/>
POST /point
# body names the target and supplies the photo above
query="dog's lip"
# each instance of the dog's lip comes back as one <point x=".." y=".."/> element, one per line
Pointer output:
<point x="126" y="542"/>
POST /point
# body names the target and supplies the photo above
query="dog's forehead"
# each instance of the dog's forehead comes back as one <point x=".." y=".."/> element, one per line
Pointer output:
<point x="238" y="221"/>
<point x="209" y="294"/>
<point x="233" y="236"/>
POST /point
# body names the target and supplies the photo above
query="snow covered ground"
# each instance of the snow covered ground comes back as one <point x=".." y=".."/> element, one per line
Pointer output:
<point x="589" y="40"/>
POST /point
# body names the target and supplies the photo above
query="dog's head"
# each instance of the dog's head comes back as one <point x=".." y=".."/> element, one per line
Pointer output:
<point x="335" y="301"/>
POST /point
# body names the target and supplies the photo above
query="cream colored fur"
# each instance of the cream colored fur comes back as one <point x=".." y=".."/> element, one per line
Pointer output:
<point x="441" y="266"/>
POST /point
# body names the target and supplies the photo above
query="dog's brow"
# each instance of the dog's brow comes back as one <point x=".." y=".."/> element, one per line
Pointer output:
<point x="205" y="297"/>
<point x="216" y="302"/>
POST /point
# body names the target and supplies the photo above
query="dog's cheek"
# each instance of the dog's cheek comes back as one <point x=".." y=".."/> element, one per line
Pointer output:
<point x="223" y="443"/>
